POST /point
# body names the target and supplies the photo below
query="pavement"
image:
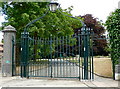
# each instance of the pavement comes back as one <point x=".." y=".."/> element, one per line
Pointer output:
<point x="56" y="82"/>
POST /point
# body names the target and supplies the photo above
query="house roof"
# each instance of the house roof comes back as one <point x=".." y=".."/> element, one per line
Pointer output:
<point x="1" y="43"/>
<point x="1" y="48"/>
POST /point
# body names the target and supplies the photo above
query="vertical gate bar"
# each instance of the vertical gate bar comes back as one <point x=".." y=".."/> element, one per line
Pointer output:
<point x="37" y="57"/>
<point x="72" y="53"/>
<point x="84" y="54"/>
<point x="40" y="56"/>
<point x="89" y="47"/>
<point x="28" y="58"/>
<point x="51" y="54"/>
<point x="42" y="53"/>
<point x="31" y="57"/>
<point x="47" y="43"/>
<point x="74" y="56"/>
<point x="54" y="55"/>
<point x="46" y="58"/>
<point x="66" y="55"/>
<point x="60" y="57"/>
<point x="87" y="51"/>
<point x="38" y="66"/>
<point x="41" y="49"/>
<point x="89" y="61"/>
<point x="79" y="54"/>
<point x="63" y="57"/>
<point x="22" y="55"/>
<point x="84" y="42"/>
<point x="24" y="58"/>
<point x="34" y="55"/>
<point x="82" y="48"/>
<point x="92" y="56"/>
<point x="75" y="53"/>
<point x="13" y="61"/>
<point x="69" y="57"/>
<point x="57" y="55"/>
<point x="85" y="62"/>
<point x="22" y="62"/>
<point x="32" y="42"/>
<point x="43" y="56"/>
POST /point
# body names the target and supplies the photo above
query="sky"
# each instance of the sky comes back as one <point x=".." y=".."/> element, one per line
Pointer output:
<point x="98" y="8"/>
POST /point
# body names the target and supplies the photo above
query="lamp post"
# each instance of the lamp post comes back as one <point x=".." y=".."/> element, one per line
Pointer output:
<point x="53" y="6"/>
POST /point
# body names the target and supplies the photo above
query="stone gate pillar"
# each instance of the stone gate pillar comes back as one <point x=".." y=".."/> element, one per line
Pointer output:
<point x="9" y="35"/>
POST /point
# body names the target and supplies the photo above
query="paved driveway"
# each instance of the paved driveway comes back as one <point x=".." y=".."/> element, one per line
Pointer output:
<point x="58" y="68"/>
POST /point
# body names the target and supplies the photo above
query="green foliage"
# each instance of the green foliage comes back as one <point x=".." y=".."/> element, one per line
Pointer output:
<point x="113" y="27"/>
<point x="0" y="28"/>
<point x="57" y="24"/>
<point x="20" y="14"/>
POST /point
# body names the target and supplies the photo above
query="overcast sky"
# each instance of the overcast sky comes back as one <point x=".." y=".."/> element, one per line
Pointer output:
<point x="98" y="8"/>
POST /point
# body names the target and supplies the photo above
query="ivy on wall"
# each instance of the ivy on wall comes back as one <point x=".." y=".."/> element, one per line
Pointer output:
<point x="113" y="27"/>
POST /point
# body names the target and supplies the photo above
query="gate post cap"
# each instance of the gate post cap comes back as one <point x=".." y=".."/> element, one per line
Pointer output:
<point x="119" y="5"/>
<point x="9" y="28"/>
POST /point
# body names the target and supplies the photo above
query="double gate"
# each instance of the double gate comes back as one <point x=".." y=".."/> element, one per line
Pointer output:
<point x="55" y="57"/>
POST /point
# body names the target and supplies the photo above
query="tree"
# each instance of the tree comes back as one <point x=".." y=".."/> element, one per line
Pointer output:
<point x="98" y="29"/>
<point x="113" y="27"/>
<point x="19" y="14"/>
<point x="57" y="24"/>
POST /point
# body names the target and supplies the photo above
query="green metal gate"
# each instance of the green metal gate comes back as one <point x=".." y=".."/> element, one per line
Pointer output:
<point x="57" y="57"/>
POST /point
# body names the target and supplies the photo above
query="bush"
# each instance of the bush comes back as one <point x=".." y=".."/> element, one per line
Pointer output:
<point x="113" y="27"/>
